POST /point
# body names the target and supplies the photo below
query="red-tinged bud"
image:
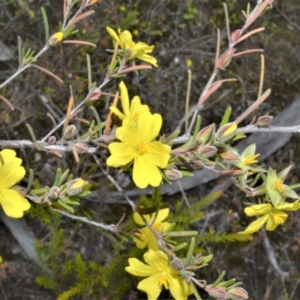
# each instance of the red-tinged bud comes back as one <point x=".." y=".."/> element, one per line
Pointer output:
<point x="206" y="134"/>
<point x="235" y="36"/>
<point x="81" y="147"/>
<point x="264" y="121"/>
<point x="230" y="157"/>
<point x="96" y="95"/>
<point x="207" y="151"/>
<point x="226" y="132"/>
<point x="56" y="38"/>
<point x="54" y="193"/>
<point x="217" y="293"/>
<point x="52" y="140"/>
<point x="70" y="132"/>
<point x="237" y="293"/>
<point x="197" y="164"/>
<point x="75" y="186"/>
<point x="173" y="174"/>
<point x="225" y="59"/>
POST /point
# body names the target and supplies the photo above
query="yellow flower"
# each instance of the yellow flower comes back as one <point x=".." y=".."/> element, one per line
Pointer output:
<point x="138" y="146"/>
<point x="145" y="236"/>
<point x="159" y="273"/>
<point x="269" y="214"/>
<point x="189" y="62"/>
<point x="131" y="49"/>
<point x="56" y="38"/>
<point x="131" y="112"/>
<point x="1" y="260"/>
<point x="11" y="172"/>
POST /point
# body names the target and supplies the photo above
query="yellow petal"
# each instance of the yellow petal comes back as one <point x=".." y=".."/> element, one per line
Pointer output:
<point x="162" y="214"/>
<point x="145" y="172"/>
<point x="138" y="268"/>
<point x="124" y="98"/>
<point x="138" y="219"/>
<point x="158" y="259"/>
<point x="9" y="155"/>
<point x="10" y="174"/>
<point x="117" y="112"/>
<point x="276" y="217"/>
<point x="121" y="154"/>
<point x="13" y="203"/>
<point x="289" y="206"/>
<point x="257" y="210"/>
<point x="126" y="41"/>
<point x="148" y="58"/>
<point x="158" y="153"/>
<point x="255" y="226"/>
<point x="112" y="33"/>
<point x="137" y="109"/>
<point x="151" y="286"/>
<point x="179" y="288"/>
<point x="142" y="237"/>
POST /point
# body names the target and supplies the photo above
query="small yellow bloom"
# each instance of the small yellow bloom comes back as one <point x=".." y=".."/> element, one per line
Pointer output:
<point x="277" y="190"/>
<point x="11" y="172"/>
<point x="1" y="260"/>
<point x="231" y="129"/>
<point x="56" y="38"/>
<point x="122" y="8"/>
<point x="189" y="62"/>
<point x="132" y="50"/>
<point x="135" y="32"/>
<point x="160" y="274"/>
<point x="145" y="236"/>
<point x="131" y="111"/>
<point x="269" y="214"/>
<point x="138" y="146"/>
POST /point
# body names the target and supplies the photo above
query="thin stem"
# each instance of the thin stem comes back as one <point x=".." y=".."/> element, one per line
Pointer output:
<point x="111" y="227"/>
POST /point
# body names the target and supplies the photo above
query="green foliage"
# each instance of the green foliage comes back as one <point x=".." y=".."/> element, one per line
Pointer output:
<point x="67" y="275"/>
<point x="213" y="237"/>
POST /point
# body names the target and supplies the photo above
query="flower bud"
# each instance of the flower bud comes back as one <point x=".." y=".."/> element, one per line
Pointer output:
<point x="226" y="132"/>
<point x="206" y="134"/>
<point x="225" y="59"/>
<point x="197" y="164"/>
<point x="207" y="151"/>
<point x="230" y="157"/>
<point x="173" y="174"/>
<point x="56" y="38"/>
<point x="217" y="293"/>
<point x="235" y="36"/>
<point x="237" y="293"/>
<point x="177" y="263"/>
<point x="54" y="193"/>
<point x="81" y="147"/>
<point x="264" y="121"/>
<point x="52" y="140"/>
<point x="70" y="132"/>
<point x="96" y="95"/>
<point x="75" y="186"/>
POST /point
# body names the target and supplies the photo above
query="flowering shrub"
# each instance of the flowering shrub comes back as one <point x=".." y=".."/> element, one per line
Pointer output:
<point x="130" y="139"/>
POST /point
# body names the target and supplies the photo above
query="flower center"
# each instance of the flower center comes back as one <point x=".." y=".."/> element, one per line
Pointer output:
<point x="163" y="280"/>
<point x="278" y="185"/>
<point x="141" y="149"/>
<point x="156" y="226"/>
<point x="135" y="117"/>
<point x="251" y="159"/>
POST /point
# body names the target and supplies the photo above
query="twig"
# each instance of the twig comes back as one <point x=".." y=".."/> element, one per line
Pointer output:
<point x="272" y="257"/>
<point x="282" y="129"/>
<point x="111" y="227"/>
